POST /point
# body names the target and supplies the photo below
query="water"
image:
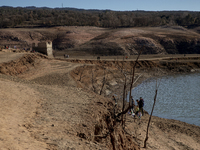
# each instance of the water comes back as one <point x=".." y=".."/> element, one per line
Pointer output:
<point x="178" y="97"/>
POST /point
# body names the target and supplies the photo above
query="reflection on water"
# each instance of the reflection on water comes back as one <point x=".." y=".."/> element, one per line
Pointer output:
<point x="178" y="97"/>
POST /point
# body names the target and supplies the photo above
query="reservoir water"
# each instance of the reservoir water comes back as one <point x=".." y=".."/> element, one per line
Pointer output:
<point x="178" y="97"/>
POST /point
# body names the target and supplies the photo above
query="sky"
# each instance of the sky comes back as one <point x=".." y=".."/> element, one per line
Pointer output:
<point x="116" y="5"/>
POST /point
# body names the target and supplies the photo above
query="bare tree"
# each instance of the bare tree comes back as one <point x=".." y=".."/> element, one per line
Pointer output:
<point x="124" y="72"/>
<point x="133" y="75"/>
<point x="94" y="88"/>
<point x="103" y="82"/>
<point x="123" y="105"/>
<point x="156" y="91"/>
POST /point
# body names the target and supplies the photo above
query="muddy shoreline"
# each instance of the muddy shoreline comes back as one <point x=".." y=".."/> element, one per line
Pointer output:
<point x="160" y="127"/>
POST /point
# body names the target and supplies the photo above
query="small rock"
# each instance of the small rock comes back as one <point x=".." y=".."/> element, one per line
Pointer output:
<point x="108" y="92"/>
<point x="113" y="83"/>
<point x="84" y="125"/>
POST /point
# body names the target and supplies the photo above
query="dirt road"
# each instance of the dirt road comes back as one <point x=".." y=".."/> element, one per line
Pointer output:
<point x="18" y="104"/>
<point x="6" y="57"/>
<point x="131" y="58"/>
<point x="43" y="109"/>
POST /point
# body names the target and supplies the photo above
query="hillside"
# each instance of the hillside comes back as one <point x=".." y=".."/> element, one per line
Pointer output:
<point x="55" y="104"/>
<point x="101" y="41"/>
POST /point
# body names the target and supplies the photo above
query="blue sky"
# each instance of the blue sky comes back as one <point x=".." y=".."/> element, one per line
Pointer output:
<point x="121" y="5"/>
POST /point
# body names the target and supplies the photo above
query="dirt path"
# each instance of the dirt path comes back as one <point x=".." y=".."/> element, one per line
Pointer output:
<point x="43" y="109"/>
<point x="131" y="57"/>
<point x="6" y="56"/>
<point x="18" y="104"/>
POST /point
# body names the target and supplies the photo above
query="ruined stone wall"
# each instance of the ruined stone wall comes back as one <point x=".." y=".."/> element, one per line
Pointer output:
<point x="44" y="48"/>
<point x="49" y="48"/>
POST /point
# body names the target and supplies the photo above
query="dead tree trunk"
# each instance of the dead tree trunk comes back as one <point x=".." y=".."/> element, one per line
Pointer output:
<point x="104" y="80"/>
<point x="94" y="89"/>
<point x="123" y="105"/>
<point x="133" y="75"/>
<point x="145" y="141"/>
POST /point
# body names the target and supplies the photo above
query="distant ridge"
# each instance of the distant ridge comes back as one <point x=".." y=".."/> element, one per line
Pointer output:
<point x="57" y="8"/>
<point x="47" y="17"/>
<point x="6" y="7"/>
<point x="92" y="10"/>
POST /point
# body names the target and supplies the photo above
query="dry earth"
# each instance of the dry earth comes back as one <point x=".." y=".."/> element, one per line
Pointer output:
<point x="105" y="42"/>
<point x="45" y="105"/>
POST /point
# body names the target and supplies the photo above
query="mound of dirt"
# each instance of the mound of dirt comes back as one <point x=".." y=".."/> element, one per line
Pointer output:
<point x="21" y="65"/>
<point x="175" y="27"/>
<point x="101" y="48"/>
<point x="169" y="40"/>
<point x="23" y="38"/>
<point x="67" y="38"/>
<point x="148" y="45"/>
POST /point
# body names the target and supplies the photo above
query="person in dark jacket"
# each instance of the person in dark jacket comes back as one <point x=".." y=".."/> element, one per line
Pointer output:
<point x="141" y="104"/>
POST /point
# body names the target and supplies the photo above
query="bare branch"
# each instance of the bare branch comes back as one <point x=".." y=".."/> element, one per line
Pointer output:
<point x="104" y="80"/>
<point x="133" y="75"/>
<point x="123" y="105"/>
<point x="151" y="116"/>
<point x="137" y="79"/>
<point x="94" y="89"/>
<point x="125" y="111"/>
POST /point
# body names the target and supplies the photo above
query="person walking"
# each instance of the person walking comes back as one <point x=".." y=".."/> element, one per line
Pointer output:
<point x="141" y="104"/>
<point x="137" y="110"/>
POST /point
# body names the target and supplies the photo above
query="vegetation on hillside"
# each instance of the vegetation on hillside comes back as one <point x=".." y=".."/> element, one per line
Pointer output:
<point x="32" y="16"/>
